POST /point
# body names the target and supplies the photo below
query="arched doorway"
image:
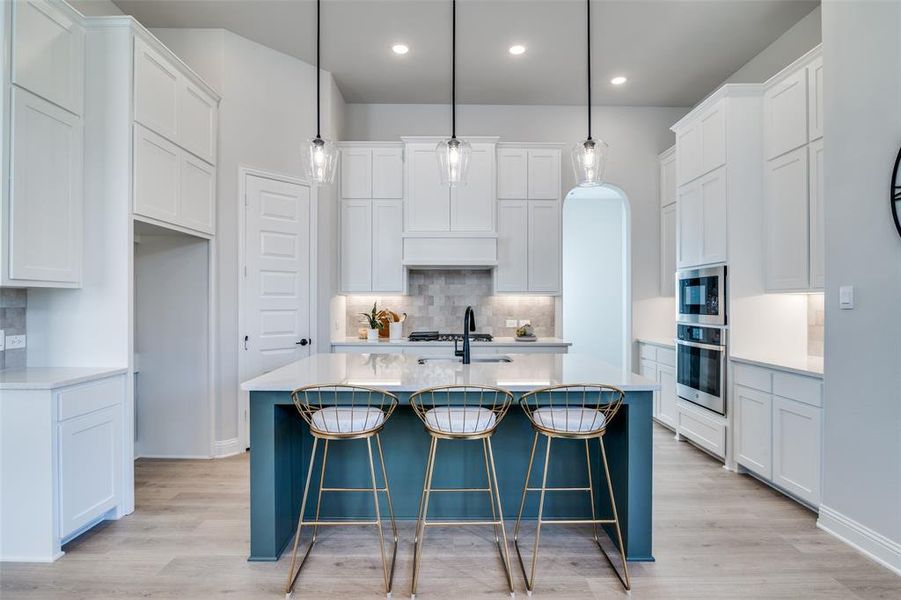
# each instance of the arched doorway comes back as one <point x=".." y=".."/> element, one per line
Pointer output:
<point x="597" y="290"/>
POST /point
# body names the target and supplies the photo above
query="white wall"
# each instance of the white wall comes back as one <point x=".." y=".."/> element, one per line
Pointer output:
<point x="96" y="8"/>
<point x="862" y="435"/>
<point x="636" y="136"/>
<point x="595" y="274"/>
<point x="267" y="112"/>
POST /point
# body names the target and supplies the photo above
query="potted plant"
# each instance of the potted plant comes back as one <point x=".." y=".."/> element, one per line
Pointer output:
<point x="372" y="319"/>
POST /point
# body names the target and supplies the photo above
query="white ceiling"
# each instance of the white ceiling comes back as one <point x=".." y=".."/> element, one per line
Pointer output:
<point x="673" y="52"/>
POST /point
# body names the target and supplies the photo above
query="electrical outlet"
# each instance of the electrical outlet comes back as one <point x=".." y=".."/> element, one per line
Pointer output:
<point x="524" y="322"/>
<point x="14" y="342"/>
<point x="511" y="322"/>
<point x="2" y="340"/>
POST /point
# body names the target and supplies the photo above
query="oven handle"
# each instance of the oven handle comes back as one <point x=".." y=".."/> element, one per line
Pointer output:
<point x="702" y="346"/>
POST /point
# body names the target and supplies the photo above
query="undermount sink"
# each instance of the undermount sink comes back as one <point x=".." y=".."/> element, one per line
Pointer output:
<point x="475" y="359"/>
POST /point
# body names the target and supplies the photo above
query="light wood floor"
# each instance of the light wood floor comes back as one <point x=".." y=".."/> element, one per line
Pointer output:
<point x="717" y="535"/>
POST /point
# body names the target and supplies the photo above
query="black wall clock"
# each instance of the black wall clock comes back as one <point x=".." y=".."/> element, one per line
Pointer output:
<point x="896" y="193"/>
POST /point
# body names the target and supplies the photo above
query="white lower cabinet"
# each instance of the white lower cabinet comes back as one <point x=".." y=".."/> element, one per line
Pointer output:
<point x="658" y="363"/>
<point x="778" y="423"/>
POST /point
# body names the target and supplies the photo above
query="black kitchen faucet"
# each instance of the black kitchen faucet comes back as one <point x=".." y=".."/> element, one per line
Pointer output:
<point x="469" y="325"/>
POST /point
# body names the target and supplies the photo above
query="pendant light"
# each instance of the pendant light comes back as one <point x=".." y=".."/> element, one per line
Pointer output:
<point x="453" y="153"/>
<point x="589" y="156"/>
<point x="320" y="155"/>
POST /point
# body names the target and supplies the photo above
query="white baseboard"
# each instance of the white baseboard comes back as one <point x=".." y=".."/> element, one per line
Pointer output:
<point x="224" y="448"/>
<point x="874" y="545"/>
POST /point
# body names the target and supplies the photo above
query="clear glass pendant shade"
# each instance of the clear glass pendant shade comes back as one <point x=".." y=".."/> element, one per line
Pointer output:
<point x="590" y="162"/>
<point x="453" y="161"/>
<point x="320" y="160"/>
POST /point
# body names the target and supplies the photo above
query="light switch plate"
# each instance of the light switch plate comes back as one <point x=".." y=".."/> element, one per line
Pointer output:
<point x="511" y="322"/>
<point x="524" y="322"/>
<point x="2" y="340"/>
<point x="846" y="297"/>
<point x="14" y="342"/>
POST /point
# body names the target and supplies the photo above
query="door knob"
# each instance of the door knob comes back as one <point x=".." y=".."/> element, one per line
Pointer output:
<point x="303" y="342"/>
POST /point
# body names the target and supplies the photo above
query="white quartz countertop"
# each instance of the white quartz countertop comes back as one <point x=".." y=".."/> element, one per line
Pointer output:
<point x="498" y="341"/>
<point x="48" y="378"/>
<point x="803" y="365"/>
<point x="666" y="343"/>
<point x="402" y="373"/>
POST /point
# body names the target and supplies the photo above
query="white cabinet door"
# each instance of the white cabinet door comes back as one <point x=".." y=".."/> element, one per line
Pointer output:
<point x="427" y="200"/>
<point x="156" y="90"/>
<point x="714" y="242"/>
<point x="198" y="118"/>
<point x="713" y="137"/>
<point x="786" y="222"/>
<point x="817" y="216"/>
<point x="544" y="174"/>
<point x="754" y="412"/>
<point x="387" y="246"/>
<point x="48" y="53"/>
<point x="796" y="448"/>
<point x="388" y="173"/>
<point x="473" y="204"/>
<point x="156" y="165"/>
<point x="544" y="246"/>
<point x="815" y="99"/>
<point x="688" y="154"/>
<point x="196" y="194"/>
<point x="512" y="273"/>
<point x="45" y="209"/>
<point x="668" y="250"/>
<point x="356" y="173"/>
<point x="688" y="226"/>
<point x="356" y="245"/>
<point x="512" y="173"/>
<point x="666" y="403"/>
<point x="785" y="115"/>
<point x="667" y="180"/>
<point x="90" y="467"/>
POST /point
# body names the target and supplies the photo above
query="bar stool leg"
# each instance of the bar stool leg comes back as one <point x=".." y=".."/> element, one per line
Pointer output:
<point x="423" y="515"/>
<point x="292" y="576"/>
<point x="321" y="484"/>
<point x="378" y="443"/>
<point x="530" y="580"/>
<point x="522" y="502"/>
<point x="497" y="538"/>
<point x="619" y="536"/>
<point x="594" y="526"/>
<point x="505" y="554"/>
<point x="378" y="517"/>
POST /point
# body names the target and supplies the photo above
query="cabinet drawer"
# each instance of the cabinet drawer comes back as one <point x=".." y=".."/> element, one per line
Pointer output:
<point x="808" y="390"/>
<point x="667" y="357"/>
<point x="648" y="352"/>
<point x="702" y="430"/>
<point x="88" y="397"/>
<point x="752" y="377"/>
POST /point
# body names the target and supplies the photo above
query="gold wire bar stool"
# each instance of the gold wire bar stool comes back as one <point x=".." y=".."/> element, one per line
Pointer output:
<point x="577" y="412"/>
<point x="344" y="412"/>
<point x="461" y="412"/>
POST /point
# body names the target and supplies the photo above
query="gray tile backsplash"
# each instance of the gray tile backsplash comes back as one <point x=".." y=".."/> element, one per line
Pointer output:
<point x="13" y="304"/>
<point x="437" y="299"/>
<point x="816" y="324"/>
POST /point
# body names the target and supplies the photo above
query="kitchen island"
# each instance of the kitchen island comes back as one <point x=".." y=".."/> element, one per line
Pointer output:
<point x="281" y="445"/>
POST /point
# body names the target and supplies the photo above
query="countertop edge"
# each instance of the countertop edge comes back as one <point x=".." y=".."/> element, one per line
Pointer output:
<point x="663" y="343"/>
<point x="808" y="372"/>
<point x="503" y="341"/>
<point x="53" y="382"/>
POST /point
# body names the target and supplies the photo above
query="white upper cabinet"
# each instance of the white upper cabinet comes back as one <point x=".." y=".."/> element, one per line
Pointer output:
<point x="387" y="245"/>
<point x="688" y="144"/>
<point x="815" y="98"/>
<point x="156" y="176"/>
<point x="356" y="172"/>
<point x="48" y="53"/>
<point x="473" y="204"/>
<point x="786" y="217"/>
<point x="667" y="177"/>
<point x="45" y="194"/>
<point x="668" y="250"/>
<point x="544" y="246"/>
<point x="512" y="173"/>
<point x="544" y="173"/>
<point x="512" y="273"/>
<point x="688" y="227"/>
<point x="356" y="245"/>
<point x="713" y="214"/>
<point x="388" y="173"/>
<point x="427" y="199"/>
<point x="701" y="144"/>
<point x="167" y="102"/>
<point x="817" y="216"/>
<point x="785" y="115"/>
<point x="196" y="194"/>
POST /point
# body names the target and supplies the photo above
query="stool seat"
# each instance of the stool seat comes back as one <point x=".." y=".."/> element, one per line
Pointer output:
<point x="346" y="419"/>
<point x="570" y="420"/>
<point x="460" y="419"/>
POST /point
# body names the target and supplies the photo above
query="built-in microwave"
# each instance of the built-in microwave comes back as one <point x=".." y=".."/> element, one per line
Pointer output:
<point x="701" y="296"/>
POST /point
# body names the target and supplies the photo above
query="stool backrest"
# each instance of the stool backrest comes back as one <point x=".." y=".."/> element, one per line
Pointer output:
<point x="579" y="410"/>
<point x="344" y="410"/>
<point x="459" y="410"/>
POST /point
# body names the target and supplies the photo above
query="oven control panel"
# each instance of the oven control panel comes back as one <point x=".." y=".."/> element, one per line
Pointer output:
<point x="700" y="334"/>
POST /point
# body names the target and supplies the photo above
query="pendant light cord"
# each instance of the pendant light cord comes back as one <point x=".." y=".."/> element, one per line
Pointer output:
<point x="318" y="75"/>
<point x="454" y="70"/>
<point x="588" y="20"/>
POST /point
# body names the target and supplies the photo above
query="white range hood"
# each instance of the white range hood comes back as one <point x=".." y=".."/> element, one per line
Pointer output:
<point x="450" y="250"/>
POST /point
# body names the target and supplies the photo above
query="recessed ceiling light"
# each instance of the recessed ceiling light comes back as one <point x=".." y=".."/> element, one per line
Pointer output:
<point x="400" y="48"/>
<point x="517" y="49"/>
<point x="618" y="80"/>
